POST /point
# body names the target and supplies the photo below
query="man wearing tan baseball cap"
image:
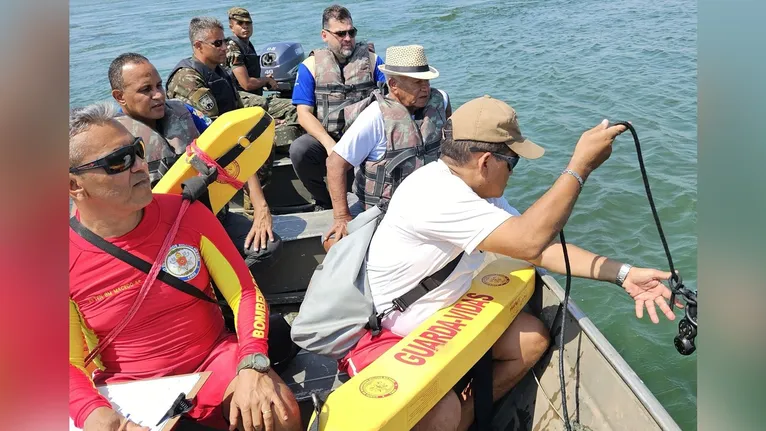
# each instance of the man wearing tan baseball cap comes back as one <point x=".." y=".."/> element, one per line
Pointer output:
<point x="490" y="120"/>
<point x="454" y="208"/>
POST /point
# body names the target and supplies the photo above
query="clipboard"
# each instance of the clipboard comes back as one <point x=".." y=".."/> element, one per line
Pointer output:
<point x="125" y="397"/>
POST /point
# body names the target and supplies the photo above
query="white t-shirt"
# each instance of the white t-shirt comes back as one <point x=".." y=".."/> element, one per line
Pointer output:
<point x="431" y="219"/>
<point x="366" y="139"/>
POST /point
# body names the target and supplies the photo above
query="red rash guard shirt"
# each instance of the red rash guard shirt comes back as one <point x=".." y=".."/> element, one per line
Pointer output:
<point x="172" y="332"/>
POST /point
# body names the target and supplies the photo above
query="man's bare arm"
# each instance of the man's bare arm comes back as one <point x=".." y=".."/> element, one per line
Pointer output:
<point x="528" y="235"/>
<point x="313" y="127"/>
<point x="250" y="83"/>
<point x="337" y="167"/>
<point x="583" y="263"/>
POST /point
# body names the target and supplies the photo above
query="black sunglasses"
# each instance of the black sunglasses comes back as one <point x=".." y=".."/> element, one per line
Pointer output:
<point x="116" y="162"/>
<point x="341" y="34"/>
<point x="511" y="160"/>
<point x="216" y="43"/>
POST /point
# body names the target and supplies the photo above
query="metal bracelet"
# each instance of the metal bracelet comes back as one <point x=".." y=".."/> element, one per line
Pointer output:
<point x="622" y="273"/>
<point x="574" y="174"/>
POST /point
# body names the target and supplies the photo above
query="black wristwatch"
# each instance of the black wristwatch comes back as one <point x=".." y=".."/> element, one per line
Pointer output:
<point x="256" y="361"/>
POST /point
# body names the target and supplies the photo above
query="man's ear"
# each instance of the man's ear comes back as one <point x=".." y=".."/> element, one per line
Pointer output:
<point x="76" y="191"/>
<point x="119" y="96"/>
<point x="483" y="161"/>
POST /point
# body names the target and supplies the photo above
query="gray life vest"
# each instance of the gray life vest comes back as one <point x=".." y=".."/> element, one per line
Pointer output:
<point x="341" y="94"/>
<point x="411" y="142"/>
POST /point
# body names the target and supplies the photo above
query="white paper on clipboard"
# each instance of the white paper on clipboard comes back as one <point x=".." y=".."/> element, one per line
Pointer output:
<point x="147" y="401"/>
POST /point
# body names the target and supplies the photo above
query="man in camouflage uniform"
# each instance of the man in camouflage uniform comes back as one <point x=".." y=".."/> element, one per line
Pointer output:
<point x="392" y="137"/>
<point x="203" y="83"/>
<point x="245" y="66"/>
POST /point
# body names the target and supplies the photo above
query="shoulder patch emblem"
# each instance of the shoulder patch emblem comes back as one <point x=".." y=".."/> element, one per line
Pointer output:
<point x="182" y="261"/>
<point x="207" y="103"/>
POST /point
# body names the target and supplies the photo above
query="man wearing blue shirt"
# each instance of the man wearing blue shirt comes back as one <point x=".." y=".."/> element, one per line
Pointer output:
<point x="332" y="87"/>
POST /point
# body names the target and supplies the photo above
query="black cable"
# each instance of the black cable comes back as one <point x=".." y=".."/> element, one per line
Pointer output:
<point x="675" y="283"/>
<point x="561" y="336"/>
<point x="673" y="275"/>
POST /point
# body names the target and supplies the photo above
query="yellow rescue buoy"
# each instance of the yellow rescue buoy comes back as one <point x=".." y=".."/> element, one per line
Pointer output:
<point x="400" y="387"/>
<point x="240" y="141"/>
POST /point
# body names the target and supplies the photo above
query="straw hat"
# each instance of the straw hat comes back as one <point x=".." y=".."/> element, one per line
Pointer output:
<point x="409" y="61"/>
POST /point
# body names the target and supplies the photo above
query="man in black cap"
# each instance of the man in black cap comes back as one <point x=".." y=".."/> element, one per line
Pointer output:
<point x="245" y="65"/>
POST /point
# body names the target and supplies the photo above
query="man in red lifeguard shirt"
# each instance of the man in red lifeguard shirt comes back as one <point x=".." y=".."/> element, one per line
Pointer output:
<point x="172" y="332"/>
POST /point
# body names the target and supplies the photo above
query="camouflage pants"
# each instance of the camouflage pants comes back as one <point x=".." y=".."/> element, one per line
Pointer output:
<point x="286" y="132"/>
<point x="281" y="110"/>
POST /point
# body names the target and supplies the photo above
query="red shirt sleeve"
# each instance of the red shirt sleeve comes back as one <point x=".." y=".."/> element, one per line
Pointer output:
<point x="83" y="395"/>
<point x="232" y="277"/>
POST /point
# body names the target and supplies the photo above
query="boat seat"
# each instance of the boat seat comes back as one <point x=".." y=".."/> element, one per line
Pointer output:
<point x="285" y="281"/>
<point x="309" y="373"/>
<point x="400" y="387"/>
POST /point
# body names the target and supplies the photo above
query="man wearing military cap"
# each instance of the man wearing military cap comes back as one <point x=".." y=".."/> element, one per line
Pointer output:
<point x="245" y="66"/>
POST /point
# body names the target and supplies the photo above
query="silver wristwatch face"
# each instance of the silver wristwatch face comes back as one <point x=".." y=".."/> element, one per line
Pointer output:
<point x="261" y="362"/>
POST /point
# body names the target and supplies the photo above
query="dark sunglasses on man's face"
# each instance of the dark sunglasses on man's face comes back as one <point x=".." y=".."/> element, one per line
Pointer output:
<point x="216" y="43"/>
<point x="341" y="34"/>
<point x="511" y="160"/>
<point x="116" y="162"/>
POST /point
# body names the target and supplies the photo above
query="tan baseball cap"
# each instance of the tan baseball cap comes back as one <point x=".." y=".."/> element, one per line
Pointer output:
<point x="491" y="120"/>
<point x="240" y="14"/>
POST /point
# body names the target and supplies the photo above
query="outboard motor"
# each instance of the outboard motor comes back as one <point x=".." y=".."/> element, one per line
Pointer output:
<point x="281" y="60"/>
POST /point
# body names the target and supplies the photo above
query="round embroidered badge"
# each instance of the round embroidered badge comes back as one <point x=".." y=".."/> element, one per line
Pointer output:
<point x="182" y="261"/>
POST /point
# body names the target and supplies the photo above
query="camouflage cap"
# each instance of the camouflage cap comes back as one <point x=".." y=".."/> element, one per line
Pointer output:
<point x="240" y="14"/>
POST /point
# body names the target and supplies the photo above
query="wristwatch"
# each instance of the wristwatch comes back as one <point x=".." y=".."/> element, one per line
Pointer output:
<point x="622" y="274"/>
<point x="256" y="361"/>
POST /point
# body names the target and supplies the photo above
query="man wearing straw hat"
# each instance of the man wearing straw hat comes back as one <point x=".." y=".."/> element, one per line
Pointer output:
<point x="391" y="138"/>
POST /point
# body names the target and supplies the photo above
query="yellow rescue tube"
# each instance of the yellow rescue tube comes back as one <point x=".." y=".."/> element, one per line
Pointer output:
<point x="400" y="387"/>
<point x="240" y="141"/>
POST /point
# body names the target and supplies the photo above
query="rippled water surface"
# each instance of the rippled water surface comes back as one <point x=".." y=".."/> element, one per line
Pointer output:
<point x="564" y="66"/>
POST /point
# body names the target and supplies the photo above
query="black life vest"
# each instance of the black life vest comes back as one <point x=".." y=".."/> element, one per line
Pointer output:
<point x="252" y="62"/>
<point x="217" y="80"/>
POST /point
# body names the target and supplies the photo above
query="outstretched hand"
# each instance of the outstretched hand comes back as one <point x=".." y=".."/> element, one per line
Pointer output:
<point x="645" y="286"/>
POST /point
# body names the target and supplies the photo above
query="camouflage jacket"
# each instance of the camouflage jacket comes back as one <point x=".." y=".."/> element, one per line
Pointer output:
<point x="410" y="144"/>
<point x="175" y="131"/>
<point x="211" y="91"/>
<point x="240" y="53"/>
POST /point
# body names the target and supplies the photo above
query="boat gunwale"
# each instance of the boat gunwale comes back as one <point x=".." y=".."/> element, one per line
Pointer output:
<point x="613" y="357"/>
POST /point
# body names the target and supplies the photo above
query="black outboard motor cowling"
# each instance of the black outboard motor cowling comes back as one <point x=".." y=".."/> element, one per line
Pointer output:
<point x="281" y="60"/>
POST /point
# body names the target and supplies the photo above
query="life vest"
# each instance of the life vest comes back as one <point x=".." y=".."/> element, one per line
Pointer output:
<point x="412" y="140"/>
<point x="342" y="94"/>
<point x="217" y="80"/>
<point x="252" y="62"/>
<point x="175" y="131"/>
